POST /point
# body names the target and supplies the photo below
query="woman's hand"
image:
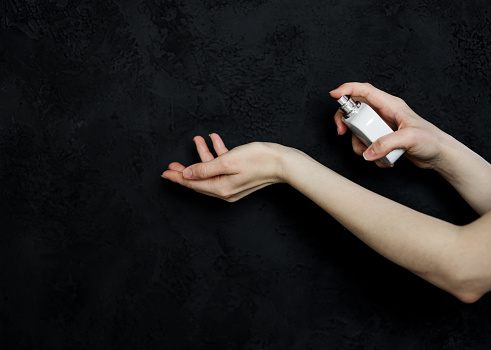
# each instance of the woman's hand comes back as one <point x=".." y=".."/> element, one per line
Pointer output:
<point x="421" y="139"/>
<point x="232" y="174"/>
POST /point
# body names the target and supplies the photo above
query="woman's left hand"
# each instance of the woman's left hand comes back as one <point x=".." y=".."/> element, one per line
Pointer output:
<point x="233" y="174"/>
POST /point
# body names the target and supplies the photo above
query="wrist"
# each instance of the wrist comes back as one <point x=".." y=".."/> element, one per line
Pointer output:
<point x="448" y="153"/>
<point x="269" y="157"/>
<point x="289" y="159"/>
<point x="277" y="156"/>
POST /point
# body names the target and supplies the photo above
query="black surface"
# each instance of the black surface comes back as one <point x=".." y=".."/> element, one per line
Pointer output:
<point x="98" y="97"/>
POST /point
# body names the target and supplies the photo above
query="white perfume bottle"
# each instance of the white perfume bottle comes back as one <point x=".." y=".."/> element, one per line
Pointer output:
<point x="365" y="123"/>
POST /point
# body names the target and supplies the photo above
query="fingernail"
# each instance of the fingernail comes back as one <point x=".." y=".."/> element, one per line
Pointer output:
<point x="163" y="176"/>
<point x="369" y="154"/>
<point x="187" y="173"/>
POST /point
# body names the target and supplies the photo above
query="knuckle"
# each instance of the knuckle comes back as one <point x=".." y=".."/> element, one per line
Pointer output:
<point x="201" y="172"/>
<point x="228" y="163"/>
<point x="380" y="144"/>
<point x="368" y="90"/>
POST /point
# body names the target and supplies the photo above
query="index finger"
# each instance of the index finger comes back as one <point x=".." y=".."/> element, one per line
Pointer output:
<point x="203" y="151"/>
<point x="375" y="97"/>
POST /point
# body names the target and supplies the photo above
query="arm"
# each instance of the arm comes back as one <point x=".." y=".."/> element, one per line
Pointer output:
<point x="426" y="145"/>
<point x="453" y="258"/>
<point x="467" y="172"/>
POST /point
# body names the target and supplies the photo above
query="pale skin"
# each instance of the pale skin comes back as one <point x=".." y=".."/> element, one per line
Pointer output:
<point x="454" y="258"/>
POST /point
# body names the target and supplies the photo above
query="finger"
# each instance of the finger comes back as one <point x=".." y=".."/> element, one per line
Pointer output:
<point x="210" y="188"/>
<point x="375" y="97"/>
<point x="359" y="99"/>
<point x="171" y="175"/>
<point x="202" y="148"/>
<point x="340" y="125"/>
<point x="202" y="186"/>
<point x="401" y="139"/>
<point x="215" y="167"/>
<point x="218" y="144"/>
<point x="381" y="164"/>
<point x="176" y="166"/>
<point x="213" y="187"/>
<point x="358" y="146"/>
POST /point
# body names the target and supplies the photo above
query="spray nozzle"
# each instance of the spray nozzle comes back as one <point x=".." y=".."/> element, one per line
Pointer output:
<point x="348" y="105"/>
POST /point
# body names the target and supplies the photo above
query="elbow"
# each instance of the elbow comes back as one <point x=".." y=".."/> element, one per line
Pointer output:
<point x="465" y="273"/>
<point x="465" y="287"/>
<point x="468" y="297"/>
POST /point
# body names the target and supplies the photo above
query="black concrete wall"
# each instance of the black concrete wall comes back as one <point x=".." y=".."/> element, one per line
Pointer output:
<point x="98" y="97"/>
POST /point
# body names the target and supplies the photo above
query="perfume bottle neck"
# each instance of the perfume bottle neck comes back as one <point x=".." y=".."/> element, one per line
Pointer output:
<point x="347" y="105"/>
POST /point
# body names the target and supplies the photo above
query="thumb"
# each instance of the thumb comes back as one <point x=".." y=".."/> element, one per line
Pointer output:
<point x="205" y="170"/>
<point x="400" y="139"/>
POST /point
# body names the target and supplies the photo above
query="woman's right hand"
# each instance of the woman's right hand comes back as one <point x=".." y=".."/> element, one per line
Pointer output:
<point x="421" y="139"/>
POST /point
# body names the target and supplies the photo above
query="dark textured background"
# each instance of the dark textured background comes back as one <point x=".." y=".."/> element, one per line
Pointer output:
<point x="98" y="97"/>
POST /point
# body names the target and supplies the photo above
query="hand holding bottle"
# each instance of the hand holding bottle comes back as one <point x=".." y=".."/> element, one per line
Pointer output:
<point x="419" y="138"/>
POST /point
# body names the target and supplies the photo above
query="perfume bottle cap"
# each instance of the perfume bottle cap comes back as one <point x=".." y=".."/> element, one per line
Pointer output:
<point x="347" y="105"/>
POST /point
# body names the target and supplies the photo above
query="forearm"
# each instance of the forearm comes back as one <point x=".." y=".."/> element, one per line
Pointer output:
<point x="420" y="243"/>
<point x="467" y="172"/>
